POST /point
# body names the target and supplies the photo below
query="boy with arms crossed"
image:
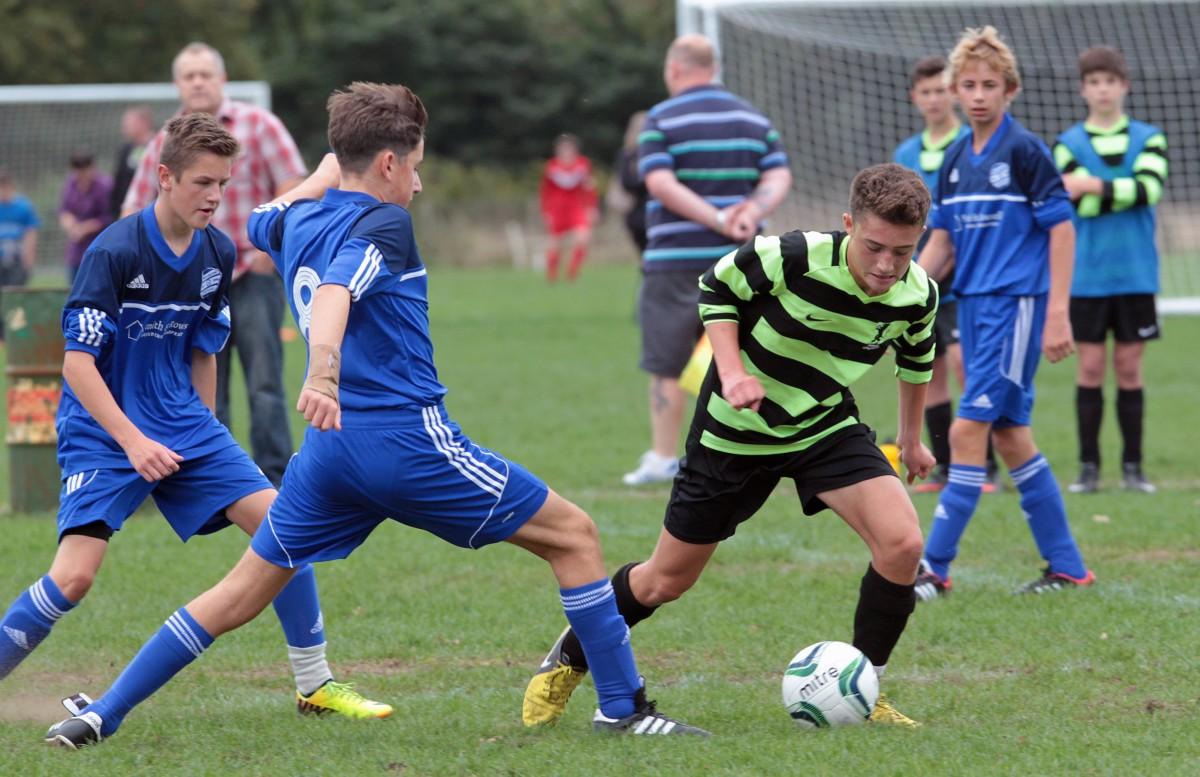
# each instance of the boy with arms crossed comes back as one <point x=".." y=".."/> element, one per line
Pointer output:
<point x="1002" y="220"/>
<point x="1114" y="168"/>
<point x="381" y="444"/>
<point x="142" y="324"/>
<point x="794" y="320"/>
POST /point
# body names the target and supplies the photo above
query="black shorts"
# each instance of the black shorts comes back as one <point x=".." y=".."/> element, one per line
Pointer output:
<point x="1132" y="318"/>
<point x="669" y="315"/>
<point x="945" y="328"/>
<point x="714" y="491"/>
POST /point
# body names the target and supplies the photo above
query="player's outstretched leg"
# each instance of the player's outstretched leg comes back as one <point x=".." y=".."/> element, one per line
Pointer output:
<point x="879" y="510"/>
<point x="33" y="614"/>
<point x="237" y="599"/>
<point x="298" y="608"/>
<point x="566" y="537"/>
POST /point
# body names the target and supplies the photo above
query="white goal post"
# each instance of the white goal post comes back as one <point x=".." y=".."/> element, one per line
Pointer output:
<point x="42" y="125"/>
<point x="832" y="75"/>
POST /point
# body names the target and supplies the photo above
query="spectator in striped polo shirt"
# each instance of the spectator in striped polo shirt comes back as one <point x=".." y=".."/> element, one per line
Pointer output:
<point x="794" y="320"/>
<point x="714" y="167"/>
<point x="269" y="165"/>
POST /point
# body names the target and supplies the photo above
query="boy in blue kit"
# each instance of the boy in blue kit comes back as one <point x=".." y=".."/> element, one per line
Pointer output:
<point x="142" y="324"/>
<point x="1114" y="168"/>
<point x="1002" y="220"/>
<point x="381" y="445"/>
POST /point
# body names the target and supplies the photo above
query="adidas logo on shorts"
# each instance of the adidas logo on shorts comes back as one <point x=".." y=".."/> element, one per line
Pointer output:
<point x="982" y="401"/>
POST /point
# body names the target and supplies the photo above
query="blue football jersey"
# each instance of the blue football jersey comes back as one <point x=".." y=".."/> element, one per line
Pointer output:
<point x="998" y="207"/>
<point x="141" y="310"/>
<point x="352" y="239"/>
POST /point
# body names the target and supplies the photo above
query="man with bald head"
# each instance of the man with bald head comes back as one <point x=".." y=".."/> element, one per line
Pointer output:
<point x="714" y="167"/>
<point x="269" y="165"/>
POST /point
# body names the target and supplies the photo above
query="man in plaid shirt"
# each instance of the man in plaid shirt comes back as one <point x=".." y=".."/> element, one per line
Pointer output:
<point x="270" y="164"/>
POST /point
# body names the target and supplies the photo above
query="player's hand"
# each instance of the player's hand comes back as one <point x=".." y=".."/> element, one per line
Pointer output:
<point x="152" y="460"/>
<point x="917" y="460"/>
<point x="331" y="171"/>
<point x="1079" y="185"/>
<point x="1058" y="341"/>
<point x="743" y="391"/>
<point x="320" y="409"/>
<point x="743" y="222"/>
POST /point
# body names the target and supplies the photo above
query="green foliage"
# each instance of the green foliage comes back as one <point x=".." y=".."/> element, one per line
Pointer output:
<point x="500" y="79"/>
<point x="1084" y="682"/>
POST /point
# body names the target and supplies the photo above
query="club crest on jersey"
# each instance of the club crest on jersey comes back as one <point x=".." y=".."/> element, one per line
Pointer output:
<point x="209" y="281"/>
<point x="999" y="175"/>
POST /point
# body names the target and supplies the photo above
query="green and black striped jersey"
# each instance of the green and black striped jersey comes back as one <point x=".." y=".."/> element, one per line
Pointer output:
<point x="1143" y="187"/>
<point x="807" y="331"/>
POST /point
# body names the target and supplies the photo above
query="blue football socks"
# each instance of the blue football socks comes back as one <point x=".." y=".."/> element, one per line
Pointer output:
<point x="1042" y="502"/>
<point x="178" y="643"/>
<point x="592" y="612"/>
<point x="28" y="622"/>
<point x="299" y="610"/>
<point x="955" y="508"/>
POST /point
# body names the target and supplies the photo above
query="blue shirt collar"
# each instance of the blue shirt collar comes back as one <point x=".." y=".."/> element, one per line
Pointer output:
<point x="340" y="196"/>
<point x="993" y="141"/>
<point x="159" y="243"/>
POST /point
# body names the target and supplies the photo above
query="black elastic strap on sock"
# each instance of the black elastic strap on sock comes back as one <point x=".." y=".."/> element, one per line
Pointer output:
<point x="937" y="423"/>
<point x="633" y="611"/>
<point x="1131" y="409"/>
<point x="1089" y="411"/>
<point x="882" y="613"/>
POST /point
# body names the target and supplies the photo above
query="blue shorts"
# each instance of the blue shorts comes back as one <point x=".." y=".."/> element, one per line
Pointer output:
<point x="193" y="500"/>
<point x="1001" y="341"/>
<point x="420" y="470"/>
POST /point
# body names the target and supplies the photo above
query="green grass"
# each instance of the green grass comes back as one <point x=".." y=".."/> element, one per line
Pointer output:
<point x="1088" y="682"/>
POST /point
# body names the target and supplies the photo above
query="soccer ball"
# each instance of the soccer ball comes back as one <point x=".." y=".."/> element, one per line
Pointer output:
<point x="830" y="684"/>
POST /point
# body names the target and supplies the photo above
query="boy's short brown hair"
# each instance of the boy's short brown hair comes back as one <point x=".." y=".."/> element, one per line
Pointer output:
<point x="892" y="192"/>
<point x="187" y="137"/>
<point x="926" y="67"/>
<point x="367" y="118"/>
<point x="1104" y="59"/>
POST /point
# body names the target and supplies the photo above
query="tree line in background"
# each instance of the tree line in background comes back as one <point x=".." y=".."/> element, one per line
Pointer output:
<point x="500" y="79"/>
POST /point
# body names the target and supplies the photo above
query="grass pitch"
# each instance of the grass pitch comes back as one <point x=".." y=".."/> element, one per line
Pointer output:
<point x="1087" y="682"/>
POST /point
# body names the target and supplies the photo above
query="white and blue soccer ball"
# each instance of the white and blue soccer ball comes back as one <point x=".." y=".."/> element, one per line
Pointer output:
<point x="830" y="684"/>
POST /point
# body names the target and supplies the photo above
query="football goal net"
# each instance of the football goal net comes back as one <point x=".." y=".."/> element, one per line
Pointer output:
<point x="832" y="75"/>
<point x="42" y="126"/>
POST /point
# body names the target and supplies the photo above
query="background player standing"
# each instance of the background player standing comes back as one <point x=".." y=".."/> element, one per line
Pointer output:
<point x="142" y="323"/>
<point x="381" y="444"/>
<point x="794" y="321"/>
<point x="923" y="153"/>
<point x="1002" y="219"/>
<point x="1114" y="168"/>
<point x="568" y="200"/>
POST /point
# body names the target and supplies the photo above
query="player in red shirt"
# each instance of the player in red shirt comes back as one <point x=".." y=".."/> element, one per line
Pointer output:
<point x="568" y="199"/>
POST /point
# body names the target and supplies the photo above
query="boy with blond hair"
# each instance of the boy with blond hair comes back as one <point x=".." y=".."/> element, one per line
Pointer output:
<point x="1114" y="169"/>
<point x="1002" y="219"/>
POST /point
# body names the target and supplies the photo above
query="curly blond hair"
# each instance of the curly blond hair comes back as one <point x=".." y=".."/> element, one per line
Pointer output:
<point x="984" y="45"/>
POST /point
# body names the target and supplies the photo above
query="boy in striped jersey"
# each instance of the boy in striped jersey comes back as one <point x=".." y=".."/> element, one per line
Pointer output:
<point x="1114" y="169"/>
<point x="794" y="320"/>
<point x="381" y="445"/>
<point x="142" y="324"/>
<point x="1002" y="220"/>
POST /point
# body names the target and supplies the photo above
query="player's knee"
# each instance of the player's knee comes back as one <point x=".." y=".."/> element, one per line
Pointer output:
<point x="76" y="584"/>
<point x="905" y="553"/>
<point x="659" y="589"/>
<point x="966" y="436"/>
